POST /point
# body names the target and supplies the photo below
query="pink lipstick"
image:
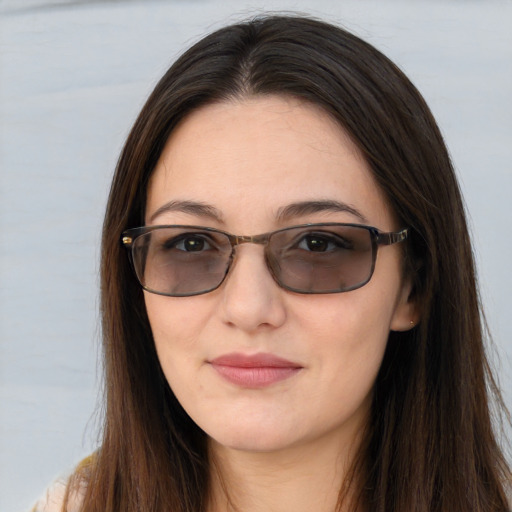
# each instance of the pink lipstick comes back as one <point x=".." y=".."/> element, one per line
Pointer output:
<point x="254" y="371"/>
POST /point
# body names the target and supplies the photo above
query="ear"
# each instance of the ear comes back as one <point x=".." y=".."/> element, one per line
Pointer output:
<point x="407" y="310"/>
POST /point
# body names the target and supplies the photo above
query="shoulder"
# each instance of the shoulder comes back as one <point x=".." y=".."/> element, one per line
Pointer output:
<point x="53" y="500"/>
<point x="56" y="497"/>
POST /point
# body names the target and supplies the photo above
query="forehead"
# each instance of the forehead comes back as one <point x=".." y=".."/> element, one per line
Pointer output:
<point x="249" y="158"/>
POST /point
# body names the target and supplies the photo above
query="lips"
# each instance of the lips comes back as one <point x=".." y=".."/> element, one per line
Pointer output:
<point x="254" y="371"/>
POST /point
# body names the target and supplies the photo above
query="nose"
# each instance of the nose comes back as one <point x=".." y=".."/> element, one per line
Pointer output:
<point x="252" y="300"/>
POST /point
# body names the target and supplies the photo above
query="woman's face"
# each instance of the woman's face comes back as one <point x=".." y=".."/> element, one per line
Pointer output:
<point x="241" y="167"/>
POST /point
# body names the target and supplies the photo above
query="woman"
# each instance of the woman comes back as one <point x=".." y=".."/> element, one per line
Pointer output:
<point x="290" y="314"/>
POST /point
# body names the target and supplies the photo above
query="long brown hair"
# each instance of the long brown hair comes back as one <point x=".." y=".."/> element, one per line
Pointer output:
<point x="430" y="445"/>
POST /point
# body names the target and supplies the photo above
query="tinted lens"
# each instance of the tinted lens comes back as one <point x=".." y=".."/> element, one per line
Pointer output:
<point x="180" y="262"/>
<point x="322" y="259"/>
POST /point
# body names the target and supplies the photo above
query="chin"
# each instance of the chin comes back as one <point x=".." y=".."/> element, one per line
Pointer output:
<point x="257" y="439"/>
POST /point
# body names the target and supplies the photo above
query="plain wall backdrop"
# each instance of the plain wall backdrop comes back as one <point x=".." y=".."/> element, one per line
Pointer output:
<point x="73" y="76"/>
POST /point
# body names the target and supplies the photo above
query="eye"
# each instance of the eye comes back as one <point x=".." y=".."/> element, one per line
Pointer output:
<point x="188" y="243"/>
<point x="324" y="242"/>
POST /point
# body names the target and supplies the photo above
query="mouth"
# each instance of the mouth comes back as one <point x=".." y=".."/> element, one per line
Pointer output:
<point x="254" y="371"/>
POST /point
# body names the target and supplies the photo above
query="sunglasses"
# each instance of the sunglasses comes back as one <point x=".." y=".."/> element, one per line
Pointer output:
<point x="180" y="261"/>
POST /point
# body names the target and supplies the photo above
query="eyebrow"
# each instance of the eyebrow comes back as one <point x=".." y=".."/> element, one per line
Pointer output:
<point x="308" y="207"/>
<point x="288" y="212"/>
<point x="190" y="207"/>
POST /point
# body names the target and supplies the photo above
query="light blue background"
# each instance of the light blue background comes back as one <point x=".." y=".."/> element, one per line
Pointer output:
<point x="73" y="76"/>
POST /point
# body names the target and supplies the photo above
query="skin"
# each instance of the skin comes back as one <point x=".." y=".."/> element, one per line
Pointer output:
<point x="248" y="159"/>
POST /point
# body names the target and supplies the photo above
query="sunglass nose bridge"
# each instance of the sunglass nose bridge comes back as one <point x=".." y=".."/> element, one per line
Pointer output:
<point x="244" y="239"/>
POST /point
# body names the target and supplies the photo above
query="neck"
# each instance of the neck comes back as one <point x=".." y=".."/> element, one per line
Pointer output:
<point x="305" y="478"/>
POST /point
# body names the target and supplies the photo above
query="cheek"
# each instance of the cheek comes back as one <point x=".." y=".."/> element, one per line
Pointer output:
<point x="175" y="319"/>
<point x="176" y="326"/>
<point x="348" y="334"/>
<point x="354" y="318"/>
